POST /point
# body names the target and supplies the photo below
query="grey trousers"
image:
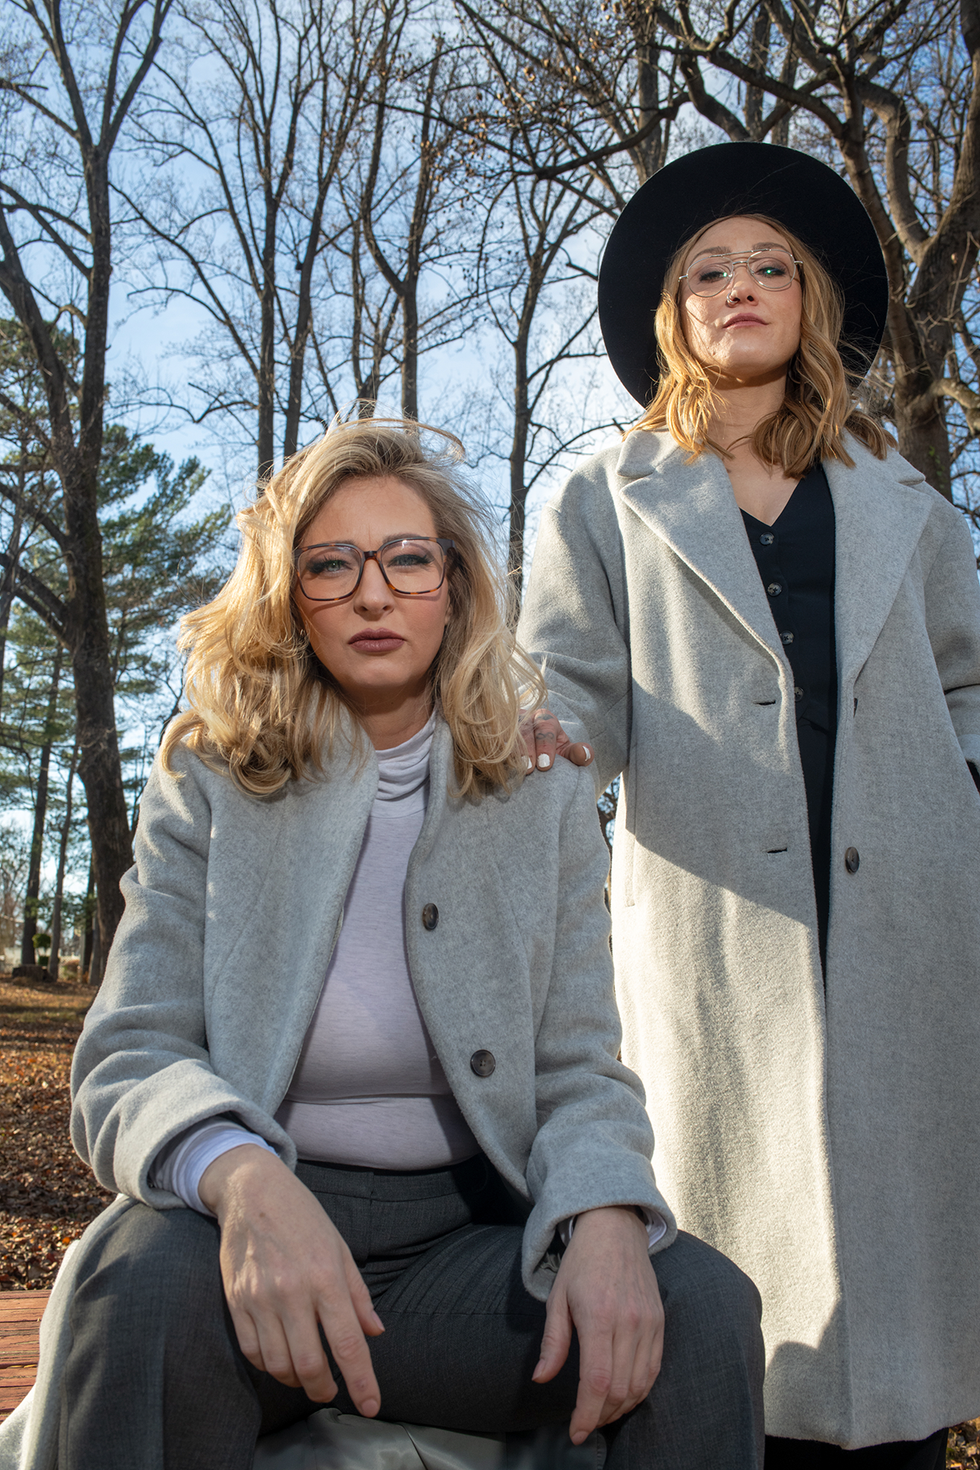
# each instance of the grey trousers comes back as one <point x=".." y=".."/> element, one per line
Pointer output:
<point x="155" y="1379"/>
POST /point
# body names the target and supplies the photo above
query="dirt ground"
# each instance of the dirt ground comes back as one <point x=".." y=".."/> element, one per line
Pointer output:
<point x="47" y="1195"/>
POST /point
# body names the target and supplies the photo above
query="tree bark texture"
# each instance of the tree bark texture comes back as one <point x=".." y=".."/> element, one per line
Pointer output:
<point x="40" y="817"/>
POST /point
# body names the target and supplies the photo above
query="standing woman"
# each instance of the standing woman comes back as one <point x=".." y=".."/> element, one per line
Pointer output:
<point x="766" y="620"/>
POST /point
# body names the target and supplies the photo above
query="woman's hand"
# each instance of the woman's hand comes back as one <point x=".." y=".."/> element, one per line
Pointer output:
<point x="285" y="1268"/>
<point x="607" y="1290"/>
<point x="544" y="739"/>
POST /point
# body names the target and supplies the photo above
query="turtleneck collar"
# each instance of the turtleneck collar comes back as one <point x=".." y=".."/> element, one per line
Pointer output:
<point x="404" y="769"/>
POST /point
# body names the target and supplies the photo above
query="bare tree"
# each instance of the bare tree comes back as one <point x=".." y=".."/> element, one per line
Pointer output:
<point x="70" y="75"/>
<point x="265" y="109"/>
<point x="539" y="295"/>
<point x="401" y="271"/>
<point x="598" y="78"/>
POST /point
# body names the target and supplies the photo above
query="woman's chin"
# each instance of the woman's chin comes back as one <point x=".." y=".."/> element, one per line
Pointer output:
<point x="747" y="375"/>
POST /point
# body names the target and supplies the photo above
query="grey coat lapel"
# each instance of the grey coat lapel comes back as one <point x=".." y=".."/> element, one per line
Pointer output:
<point x="879" y="524"/>
<point x="692" y="509"/>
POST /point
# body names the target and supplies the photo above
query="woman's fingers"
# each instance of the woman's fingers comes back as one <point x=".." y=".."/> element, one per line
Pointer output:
<point x="352" y="1355"/>
<point x="286" y="1272"/>
<point x="544" y="740"/>
<point x="556" y="1338"/>
<point x="614" y="1302"/>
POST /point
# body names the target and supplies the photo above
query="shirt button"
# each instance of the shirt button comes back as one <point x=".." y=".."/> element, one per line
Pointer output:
<point x="774" y="589"/>
<point x="430" y="916"/>
<point x="852" y="860"/>
<point x="787" y="637"/>
<point x="798" y="692"/>
<point x="483" y="1063"/>
<point x="767" y="540"/>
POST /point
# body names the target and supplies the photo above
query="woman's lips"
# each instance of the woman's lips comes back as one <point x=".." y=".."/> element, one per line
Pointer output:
<point x="746" y="319"/>
<point x="377" y="640"/>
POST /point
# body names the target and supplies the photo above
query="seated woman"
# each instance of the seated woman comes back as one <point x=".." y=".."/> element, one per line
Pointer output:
<point x="353" y="937"/>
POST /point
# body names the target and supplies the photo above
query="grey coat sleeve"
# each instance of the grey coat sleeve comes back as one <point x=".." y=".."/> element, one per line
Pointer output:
<point x="594" y="1142"/>
<point x="575" y="621"/>
<point x="141" y="1073"/>
<point x="952" y="600"/>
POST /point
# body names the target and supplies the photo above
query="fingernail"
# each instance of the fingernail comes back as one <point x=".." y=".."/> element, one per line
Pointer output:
<point x="579" y="1436"/>
<point x="588" y="753"/>
<point x="369" y="1408"/>
<point x="378" y="1322"/>
<point x="538" y="1369"/>
<point x="528" y="762"/>
<point x="544" y="761"/>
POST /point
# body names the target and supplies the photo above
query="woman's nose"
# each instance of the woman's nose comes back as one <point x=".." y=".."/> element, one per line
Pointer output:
<point x="373" y="590"/>
<point x="747" y="290"/>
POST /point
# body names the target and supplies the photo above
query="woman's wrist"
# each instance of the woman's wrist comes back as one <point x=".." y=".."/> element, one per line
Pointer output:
<point x="232" y="1171"/>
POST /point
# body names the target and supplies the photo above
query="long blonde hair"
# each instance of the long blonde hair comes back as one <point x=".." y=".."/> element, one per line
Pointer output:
<point x="261" y="705"/>
<point x="818" y="406"/>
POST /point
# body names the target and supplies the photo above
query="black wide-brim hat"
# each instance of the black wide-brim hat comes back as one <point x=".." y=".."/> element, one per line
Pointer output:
<point x="794" y="190"/>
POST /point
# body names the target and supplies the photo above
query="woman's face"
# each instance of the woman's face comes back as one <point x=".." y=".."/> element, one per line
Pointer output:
<point x="745" y="334"/>
<point x="378" y="645"/>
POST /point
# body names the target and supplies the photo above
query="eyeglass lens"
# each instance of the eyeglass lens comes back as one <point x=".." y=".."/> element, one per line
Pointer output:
<point x="773" y="270"/>
<point x="414" y="566"/>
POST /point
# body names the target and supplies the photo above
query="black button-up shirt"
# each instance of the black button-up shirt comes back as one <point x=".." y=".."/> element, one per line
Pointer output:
<point x="795" y="557"/>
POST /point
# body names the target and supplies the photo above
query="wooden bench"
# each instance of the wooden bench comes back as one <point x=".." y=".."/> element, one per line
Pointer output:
<point x="20" y="1319"/>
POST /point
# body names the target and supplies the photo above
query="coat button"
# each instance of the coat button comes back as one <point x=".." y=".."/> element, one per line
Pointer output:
<point x="483" y="1063"/>
<point x="852" y="860"/>
<point x="774" y="589"/>
<point x="430" y="916"/>
<point x="767" y="539"/>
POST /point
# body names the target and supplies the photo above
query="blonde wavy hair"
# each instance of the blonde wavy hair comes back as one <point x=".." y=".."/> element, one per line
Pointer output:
<point x="261" y="706"/>
<point x="819" y="404"/>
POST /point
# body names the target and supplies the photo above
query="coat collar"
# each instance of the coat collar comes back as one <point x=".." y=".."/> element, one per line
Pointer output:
<point x="880" y="511"/>
<point x="881" y="508"/>
<point x="692" y="509"/>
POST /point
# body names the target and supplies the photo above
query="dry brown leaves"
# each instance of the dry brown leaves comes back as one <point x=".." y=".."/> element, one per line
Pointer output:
<point x="964" y="1447"/>
<point x="47" y="1195"/>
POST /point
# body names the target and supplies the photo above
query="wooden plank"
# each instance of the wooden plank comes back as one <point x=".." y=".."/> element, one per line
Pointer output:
<point x="22" y="1306"/>
<point x="20" y="1317"/>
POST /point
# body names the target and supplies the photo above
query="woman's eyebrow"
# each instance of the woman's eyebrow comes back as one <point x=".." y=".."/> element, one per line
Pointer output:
<point x="727" y="249"/>
<point x="395" y="536"/>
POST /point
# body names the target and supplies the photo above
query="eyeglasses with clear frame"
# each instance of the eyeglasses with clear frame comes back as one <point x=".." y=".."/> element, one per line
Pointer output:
<point x="773" y="270"/>
<point x="411" y="566"/>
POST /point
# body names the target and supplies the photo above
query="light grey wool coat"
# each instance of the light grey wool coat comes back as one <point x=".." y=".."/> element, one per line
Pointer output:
<point x="232" y="912"/>
<point x="830" y="1145"/>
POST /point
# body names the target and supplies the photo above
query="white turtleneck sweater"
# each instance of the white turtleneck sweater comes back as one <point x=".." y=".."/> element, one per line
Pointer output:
<point x="368" y="1088"/>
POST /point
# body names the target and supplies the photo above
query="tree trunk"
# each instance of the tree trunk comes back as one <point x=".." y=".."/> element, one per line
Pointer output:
<point x="410" y="351"/>
<point x="99" y="764"/>
<point x="518" y="462"/>
<point x="267" y="344"/>
<point x="59" y="887"/>
<point x="88" y="941"/>
<point x="8" y="579"/>
<point x="40" y="814"/>
<point x="97" y="960"/>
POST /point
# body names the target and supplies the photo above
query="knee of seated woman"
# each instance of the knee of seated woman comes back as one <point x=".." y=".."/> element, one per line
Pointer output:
<point x="695" y="1277"/>
<point x="164" y="1261"/>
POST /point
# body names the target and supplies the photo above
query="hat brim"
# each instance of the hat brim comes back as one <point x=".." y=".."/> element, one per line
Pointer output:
<point x="799" y="192"/>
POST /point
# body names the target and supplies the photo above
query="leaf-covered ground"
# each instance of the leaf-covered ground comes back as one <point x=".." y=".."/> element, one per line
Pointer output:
<point x="48" y="1196"/>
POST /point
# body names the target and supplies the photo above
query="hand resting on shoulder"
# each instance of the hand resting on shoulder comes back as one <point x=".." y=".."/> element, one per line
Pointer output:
<point x="544" y="739"/>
